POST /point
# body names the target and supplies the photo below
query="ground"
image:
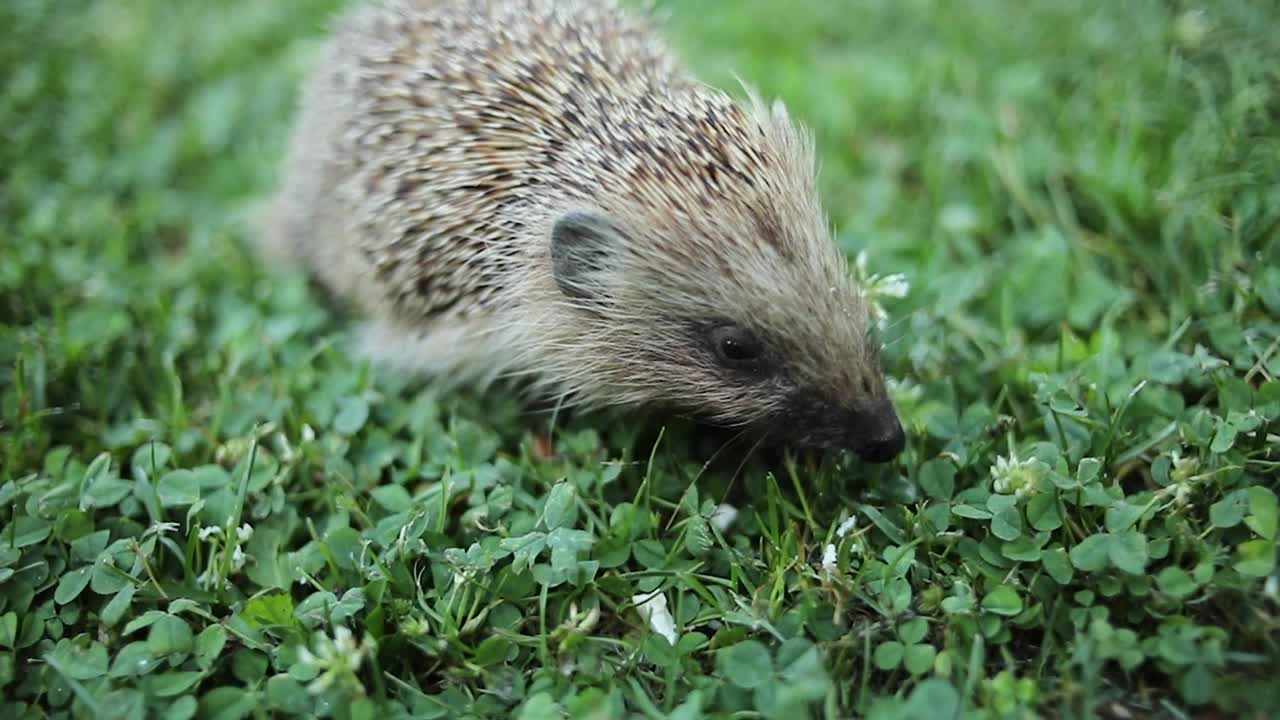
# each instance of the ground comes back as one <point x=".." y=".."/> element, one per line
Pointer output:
<point x="208" y="508"/>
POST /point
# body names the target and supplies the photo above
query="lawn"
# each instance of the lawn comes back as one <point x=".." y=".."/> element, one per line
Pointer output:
<point x="209" y="509"/>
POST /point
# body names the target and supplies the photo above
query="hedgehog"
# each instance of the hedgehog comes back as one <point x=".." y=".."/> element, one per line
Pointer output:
<point x="537" y="191"/>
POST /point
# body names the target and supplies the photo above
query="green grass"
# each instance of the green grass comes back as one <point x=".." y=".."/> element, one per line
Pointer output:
<point x="207" y="508"/>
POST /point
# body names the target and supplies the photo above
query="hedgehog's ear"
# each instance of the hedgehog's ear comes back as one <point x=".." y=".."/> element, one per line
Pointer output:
<point x="584" y="245"/>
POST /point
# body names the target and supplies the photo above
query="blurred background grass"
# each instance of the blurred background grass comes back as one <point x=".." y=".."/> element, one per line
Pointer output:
<point x="1027" y="165"/>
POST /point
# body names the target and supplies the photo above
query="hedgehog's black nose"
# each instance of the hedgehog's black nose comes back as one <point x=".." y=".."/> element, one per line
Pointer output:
<point x="877" y="436"/>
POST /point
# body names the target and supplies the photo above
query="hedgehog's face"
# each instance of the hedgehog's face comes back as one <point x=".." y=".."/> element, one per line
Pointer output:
<point x="784" y="348"/>
<point x="840" y="405"/>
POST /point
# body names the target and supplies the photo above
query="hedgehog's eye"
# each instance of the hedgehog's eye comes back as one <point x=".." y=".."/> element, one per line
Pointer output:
<point x="736" y="348"/>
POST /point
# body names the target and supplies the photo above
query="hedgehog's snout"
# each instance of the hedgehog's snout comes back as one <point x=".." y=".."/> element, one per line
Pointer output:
<point x="875" y="433"/>
<point x="869" y="426"/>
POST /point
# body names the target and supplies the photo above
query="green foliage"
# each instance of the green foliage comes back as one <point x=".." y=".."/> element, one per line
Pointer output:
<point x="208" y="509"/>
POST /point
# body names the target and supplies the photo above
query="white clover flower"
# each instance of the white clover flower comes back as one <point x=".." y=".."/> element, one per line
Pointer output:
<point x="161" y="528"/>
<point x="1183" y="468"/>
<point x="209" y="578"/>
<point x="338" y="660"/>
<point x="875" y="286"/>
<point x="653" y="608"/>
<point x="415" y="626"/>
<point x="847" y="525"/>
<point x="724" y="516"/>
<point x="860" y="264"/>
<point x="829" y="559"/>
<point x="829" y="552"/>
<point x="894" y="286"/>
<point x="1182" y="478"/>
<point x="583" y="622"/>
<point x="1016" y="477"/>
<point x="1182" y="495"/>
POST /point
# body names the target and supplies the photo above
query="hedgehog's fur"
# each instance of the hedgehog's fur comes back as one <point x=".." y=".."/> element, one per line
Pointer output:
<point x="442" y="144"/>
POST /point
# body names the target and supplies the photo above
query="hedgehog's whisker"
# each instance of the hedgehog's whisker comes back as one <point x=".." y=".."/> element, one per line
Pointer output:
<point x="892" y="326"/>
<point x="702" y="471"/>
<point x="743" y="464"/>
